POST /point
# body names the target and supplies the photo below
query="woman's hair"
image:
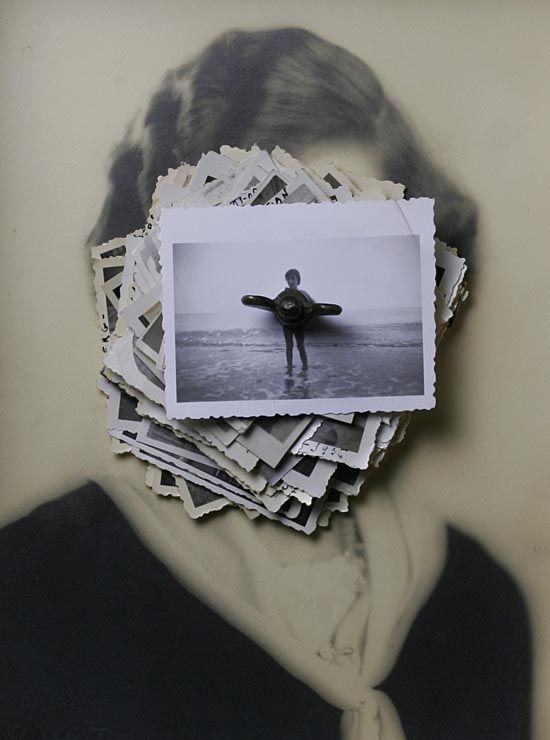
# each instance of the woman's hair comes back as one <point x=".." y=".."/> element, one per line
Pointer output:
<point x="293" y="273"/>
<point x="286" y="87"/>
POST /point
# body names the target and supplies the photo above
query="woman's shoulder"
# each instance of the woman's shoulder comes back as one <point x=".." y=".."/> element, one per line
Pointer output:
<point x="100" y="640"/>
<point x="465" y="668"/>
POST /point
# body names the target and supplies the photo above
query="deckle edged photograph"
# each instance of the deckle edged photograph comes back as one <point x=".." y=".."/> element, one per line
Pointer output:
<point x="300" y="320"/>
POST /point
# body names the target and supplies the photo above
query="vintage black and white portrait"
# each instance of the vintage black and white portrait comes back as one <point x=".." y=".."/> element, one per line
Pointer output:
<point x="367" y="341"/>
<point x="164" y="611"/>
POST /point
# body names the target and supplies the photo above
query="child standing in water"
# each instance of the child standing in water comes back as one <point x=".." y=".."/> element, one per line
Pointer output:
<point x="293" y="281"/>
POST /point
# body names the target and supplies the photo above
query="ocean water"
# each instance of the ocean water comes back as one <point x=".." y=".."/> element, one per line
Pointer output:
<point x="354" y="361"/>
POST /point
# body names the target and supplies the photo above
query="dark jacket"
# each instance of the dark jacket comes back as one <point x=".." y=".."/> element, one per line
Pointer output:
<point x="99" y="641"/>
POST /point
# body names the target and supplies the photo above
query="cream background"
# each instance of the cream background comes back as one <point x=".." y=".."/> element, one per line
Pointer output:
<point x="472" y="76"/>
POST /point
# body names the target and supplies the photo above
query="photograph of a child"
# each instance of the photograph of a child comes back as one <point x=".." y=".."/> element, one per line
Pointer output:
<point x="227" y="351"/>
<point x="293" y="279"/>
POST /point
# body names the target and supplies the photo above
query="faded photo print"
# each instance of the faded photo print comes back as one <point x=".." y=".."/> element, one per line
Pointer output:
<point x="421" y="612"/>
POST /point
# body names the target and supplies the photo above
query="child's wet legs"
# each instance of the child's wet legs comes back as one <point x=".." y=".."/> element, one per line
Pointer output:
<point x="299" y="333"/>
<point x="288" y="340"/>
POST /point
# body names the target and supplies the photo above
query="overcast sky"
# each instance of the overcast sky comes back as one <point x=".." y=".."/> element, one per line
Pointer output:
<point x="357" y="273"/>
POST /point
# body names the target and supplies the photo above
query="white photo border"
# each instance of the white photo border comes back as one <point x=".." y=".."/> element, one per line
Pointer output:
<point x="374" y="218"/>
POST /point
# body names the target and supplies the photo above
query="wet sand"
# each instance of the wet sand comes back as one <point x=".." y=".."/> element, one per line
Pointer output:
<point x="380" y="361"/>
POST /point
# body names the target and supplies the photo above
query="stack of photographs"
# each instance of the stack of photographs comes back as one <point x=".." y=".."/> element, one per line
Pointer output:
<point x="228" y="407"/>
